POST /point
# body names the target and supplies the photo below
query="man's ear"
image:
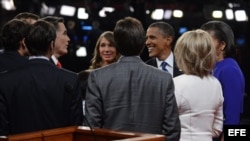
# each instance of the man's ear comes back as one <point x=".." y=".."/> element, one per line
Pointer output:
<point x="169" y="40"/>
<point x="23" y="50"/>
<point x="23" y="44"/>
<point x="52" y="46"/>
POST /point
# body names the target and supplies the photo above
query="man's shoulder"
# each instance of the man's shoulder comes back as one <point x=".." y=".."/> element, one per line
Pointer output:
<point x="151" y="61"/>
<point x="66" y="72"/>
<point x="41" y="65"/>
<point x="104" y="70"/>
<point x="11" y="57"/>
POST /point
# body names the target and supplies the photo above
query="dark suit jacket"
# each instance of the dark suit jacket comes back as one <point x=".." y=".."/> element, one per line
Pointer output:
<point x="83" y="77"/>
<point x="153" y="62"/>
<point x="132" y="96"/>
<point x="39" y="96"/>
<point x="11" y="60"/>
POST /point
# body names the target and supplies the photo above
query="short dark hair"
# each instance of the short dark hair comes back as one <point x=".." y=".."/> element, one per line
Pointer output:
<point x="129" y="36"/>
<point x="26" y="15"/>
<point x="12" y="33"/>
<point x="54" y="20"/>
<point x="223" y="32"/>
<point x="40" y="37"/>
<point x="164" y="28"/>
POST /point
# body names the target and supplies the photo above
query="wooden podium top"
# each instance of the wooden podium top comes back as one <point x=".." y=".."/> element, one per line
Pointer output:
<point x="83" y="133"/>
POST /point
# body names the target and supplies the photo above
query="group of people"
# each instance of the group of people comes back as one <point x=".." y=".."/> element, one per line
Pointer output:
<point x="186" y="91"/>
<point x="35" y="94"/>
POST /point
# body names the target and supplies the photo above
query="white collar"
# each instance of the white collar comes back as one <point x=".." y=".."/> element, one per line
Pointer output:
<point x="55" y="60"/>
<point x="169" y="60"/>
<point x="38" y="57"/>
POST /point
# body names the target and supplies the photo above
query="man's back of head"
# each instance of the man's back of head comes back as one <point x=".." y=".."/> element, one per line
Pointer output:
<point x="41" y="38"/>
<point x="13" y="32"/>
<point x="129" y="36"/>
<point x="27" y="17"/>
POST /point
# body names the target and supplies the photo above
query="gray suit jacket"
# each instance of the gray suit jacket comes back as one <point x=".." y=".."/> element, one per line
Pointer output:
<point x="132" y="96"/>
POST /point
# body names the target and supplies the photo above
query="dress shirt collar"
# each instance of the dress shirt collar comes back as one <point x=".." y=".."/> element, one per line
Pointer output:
<point x="54" y="59"/>
<point x="169" y="60"/>
<point x="38" y="57"/>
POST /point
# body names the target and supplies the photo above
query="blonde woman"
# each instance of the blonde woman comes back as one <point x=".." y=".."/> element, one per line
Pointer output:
<point x="198" y="93"/>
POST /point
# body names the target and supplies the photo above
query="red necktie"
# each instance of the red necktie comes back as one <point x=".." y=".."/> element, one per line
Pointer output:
<point x="59" y="65"/>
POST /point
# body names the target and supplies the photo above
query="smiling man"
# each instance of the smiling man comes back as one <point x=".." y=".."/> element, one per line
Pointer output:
<point x="159" y="40"/>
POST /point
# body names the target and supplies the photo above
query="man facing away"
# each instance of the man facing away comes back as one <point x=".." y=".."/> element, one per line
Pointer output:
<point x="14" y="48"/>
<point x="38" y="95"/>
<point x="120" y="97"/>
<point x="159" y="40"/>
<point x="13" y="35"/>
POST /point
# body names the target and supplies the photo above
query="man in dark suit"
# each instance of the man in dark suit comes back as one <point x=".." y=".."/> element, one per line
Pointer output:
<point x="38" y="95"/>
<point x="159" y="40"/>
<point x="130" y="95"/>
<point x="15" y="50"/>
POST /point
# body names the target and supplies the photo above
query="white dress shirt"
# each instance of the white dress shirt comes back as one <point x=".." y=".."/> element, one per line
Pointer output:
<point x="170" y="61"/>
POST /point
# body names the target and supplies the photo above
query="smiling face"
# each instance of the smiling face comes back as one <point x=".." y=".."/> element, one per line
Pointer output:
<point x="107" y="51"/>
<point x="62" y="41"/>
<point x="158" y="45"/>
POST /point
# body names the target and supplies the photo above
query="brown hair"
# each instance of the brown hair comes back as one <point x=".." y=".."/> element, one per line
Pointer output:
<point x="96" y="60"/>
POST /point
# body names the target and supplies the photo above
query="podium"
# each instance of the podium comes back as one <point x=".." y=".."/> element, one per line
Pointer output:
<point x="83" y="133"/>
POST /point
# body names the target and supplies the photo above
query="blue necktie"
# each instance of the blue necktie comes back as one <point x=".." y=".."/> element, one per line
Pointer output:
<point x="164" y="66"/>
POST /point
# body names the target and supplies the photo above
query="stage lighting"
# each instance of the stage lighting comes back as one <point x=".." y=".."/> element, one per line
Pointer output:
<point x="8" y="5"/>
<point x="157" y="14"/>
<point x="217" y="14"/>
<point x="81" y="52"/>
<point x="178" y="13"/>
<point x="47" y="10"/>
<point x="67" y="10"/>
<point x="229" y="14"/>
<point x="167" y="14"/>
<point x="102" y="12"/>
<point x="240" y="15"/>
<point x="82" y="14"/>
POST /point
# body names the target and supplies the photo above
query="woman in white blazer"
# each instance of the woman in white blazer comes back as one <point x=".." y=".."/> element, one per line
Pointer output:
<point x="198" y="93"/>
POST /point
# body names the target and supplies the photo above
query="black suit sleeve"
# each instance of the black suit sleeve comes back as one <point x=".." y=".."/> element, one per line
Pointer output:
<point x="76" y="106"/>
<point x="4" y="127"/>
